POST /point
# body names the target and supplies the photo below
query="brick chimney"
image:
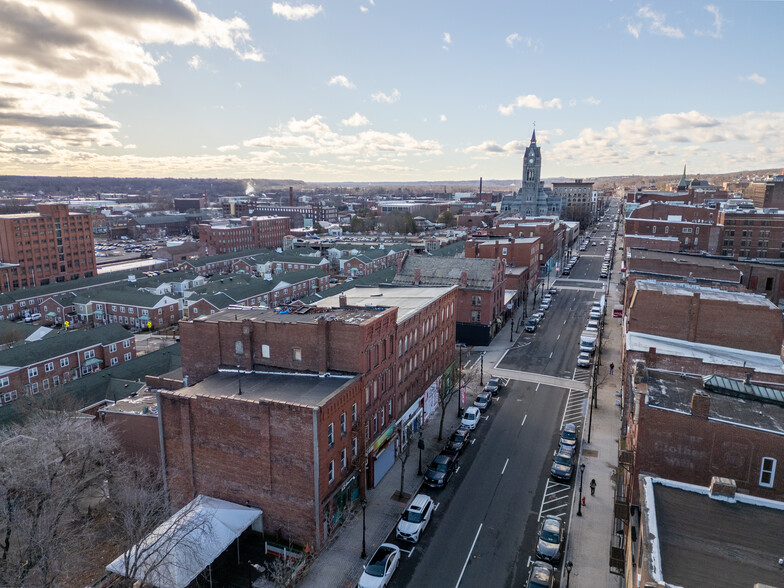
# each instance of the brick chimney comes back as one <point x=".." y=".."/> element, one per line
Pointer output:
<point x="651" y="359"/>
<point x="417" y="276"/>
<point x="723" y="489"/>
<point x="291" y="195"/>
<point x="401" y="260"/>
<point x="464" y="279"/>
<point x="342" y="301"/>
<point x="700" y="404"/>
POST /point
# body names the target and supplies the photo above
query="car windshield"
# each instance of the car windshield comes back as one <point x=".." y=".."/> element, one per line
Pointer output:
<point x="549" y="536"/>
<point x="568" y="435"/>
<point x="458" y="437"/>
<point x="470" y="416"/>
<point x="440" y="467"/>
<point x="563" y="459"/>
<point x="412" y="516"/>
<point x="378" y="564"/>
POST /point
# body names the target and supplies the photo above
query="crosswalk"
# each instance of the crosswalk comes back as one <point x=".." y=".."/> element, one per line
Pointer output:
<point x="582" y="375"/>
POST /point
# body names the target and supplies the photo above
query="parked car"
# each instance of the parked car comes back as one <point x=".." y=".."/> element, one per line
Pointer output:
<point x="584" y="359"/>
<point x="381" y="566"/>
<point x="542" y="576"/>
<point x="483" y="401"/>
<point x="458" y="441"/>
<point x="593" y="323"/>
<point x="566" y="271"/>
<point x="494" y="386"/>
<point x="553" y="290"/>
<point x="568" y="436"/>
<point x="440" y="470"/>
<point x="603" y="274"/>
<point x="530" y="325"/>
<point x="470" y="418"/>
<point x="415" y="519"/>
<point x="551" y="539"/>
<point x="563" y="464"/>
<point x="547" y="298"/>
<point x="538" y="316"/>
<point x="33" y="317"/>
<point x="545" y="305"/>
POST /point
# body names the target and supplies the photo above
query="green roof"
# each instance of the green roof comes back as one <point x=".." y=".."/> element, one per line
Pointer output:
<point x="384" y="276"/>
<point x="202" y="261"/>
<point x="11" y="332"/>
<point x="62" y="287"/>
<point x="61" y="344"/>
<point x="452" y="250"/>
<point x="128" y="294"/>
<point x="112" y="383"/>
<point x="242" y="286"/>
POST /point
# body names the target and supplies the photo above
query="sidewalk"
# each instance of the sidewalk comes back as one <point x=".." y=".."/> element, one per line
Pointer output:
<point x="339" y="564"/>
<point x="588" y="546"/>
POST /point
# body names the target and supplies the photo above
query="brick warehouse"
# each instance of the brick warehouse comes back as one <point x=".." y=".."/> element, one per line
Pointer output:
<point x="323" y="374"/>
<point x="51" y="245"/>
<point x="248" y="232"/>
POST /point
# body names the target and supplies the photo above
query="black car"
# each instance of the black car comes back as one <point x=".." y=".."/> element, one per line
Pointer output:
<point x="493" y="386"/>
<point x="440" y="470"/>
<point x="550" y="539"/>
<point x="563" y="464"/>
<point x="568" y="436"/>
<point x="542" y="576"/>
<point x="458" y="441"/>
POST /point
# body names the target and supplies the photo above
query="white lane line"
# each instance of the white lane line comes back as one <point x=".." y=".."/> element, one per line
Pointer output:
<point x="469" y="556"/>
<point x="436" y="506"/>
<point x="558" y="337"/>
<point x="565" y="321"/>
<point x="525" y="417"/>
<point x="551" y="354"/>
<point x="537" y="386"/>
<point x="506" y="464"/>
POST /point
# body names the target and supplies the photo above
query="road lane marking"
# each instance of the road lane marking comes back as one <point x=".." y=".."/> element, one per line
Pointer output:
<point x="551" y="355"/>
<point x="558" y="337"/>
<point x="469" y="556"/>
<point x="525" y="417"/>
<point x="537" y="386"/>
<point x="436" y="506"/>
<point x="506" y="464"/>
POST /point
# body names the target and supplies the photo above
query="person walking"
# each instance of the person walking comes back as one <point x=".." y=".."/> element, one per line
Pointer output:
<point x="612" y="366"/>
<point x="593" y="486"/>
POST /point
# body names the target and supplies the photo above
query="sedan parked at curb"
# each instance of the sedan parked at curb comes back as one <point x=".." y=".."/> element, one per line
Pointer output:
<point x="458" y="441"/>
<point x="483" y="401"/>
<point x="470" y="418"/>
<point x="530" y="325"/>
<point x="542" y="576"/>
<point x="584" y="359"/>
<point x="381" y="566"/>
<point x="551" y="539"/>
<point x="440" y="470"/>
<point x="563" y="464"/>
<point x="415" y="519"/>
<point x="568" y="436"/>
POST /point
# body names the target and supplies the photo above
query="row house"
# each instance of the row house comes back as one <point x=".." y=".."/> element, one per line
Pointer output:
<point x="277" y="263"/>
<point x="219" y="264"/>
<point x="41" y="365"/>
<point x="515" y="253"/>
<point x="371" y="260"/>
<point x="130" y="307"/>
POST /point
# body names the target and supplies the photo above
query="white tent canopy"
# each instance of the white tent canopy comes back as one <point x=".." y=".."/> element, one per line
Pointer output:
<point x="185" y="544"/>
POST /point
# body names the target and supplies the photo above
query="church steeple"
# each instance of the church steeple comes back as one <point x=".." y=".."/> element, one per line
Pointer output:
<point x="683" y="184"/>
<point x="533" y="137"/>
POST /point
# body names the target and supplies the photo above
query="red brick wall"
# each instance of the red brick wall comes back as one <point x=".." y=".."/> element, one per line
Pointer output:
<point x="707" y="236"/>
<point x="751" y="234"/>
<point x="650" y="242"/>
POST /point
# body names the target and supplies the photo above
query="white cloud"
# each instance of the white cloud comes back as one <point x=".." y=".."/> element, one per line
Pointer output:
<point x="446" y="40"/>
<point x="355" y="120"/>
<point x="129" y="146"/>
<point x="363" y="8"/>
<point x="656" y="23"/>
<point x="60" y="61"/>
<point x="718" y="23"/>
<point x="226" y="148"/>
<point x="530" y="101"/>
<point x="591" y="101"/>
<point x="633" y="28"/>
<point x="300" y="12"/>
<point x="756" y="78"/>
<point x="195" y="62"/>
<point x="387" y="99"/>
<point x="513" y="39"/>
<point x="442" y="118"/>
<point x="341" y="81"/>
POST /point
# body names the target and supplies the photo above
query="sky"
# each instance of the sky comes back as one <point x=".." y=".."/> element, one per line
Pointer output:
<point x="388" y="90"/>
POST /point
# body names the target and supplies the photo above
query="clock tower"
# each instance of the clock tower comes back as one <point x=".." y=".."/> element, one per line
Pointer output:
<point x="532" y="166"/>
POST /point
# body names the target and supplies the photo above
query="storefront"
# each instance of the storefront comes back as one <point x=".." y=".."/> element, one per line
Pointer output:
<point x="382" y="454"/>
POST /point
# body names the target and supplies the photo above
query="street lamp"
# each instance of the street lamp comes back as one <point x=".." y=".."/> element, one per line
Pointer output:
<point x="569" y="566"/>
<point x="580" y="502"/>
<point x="363" y="555"/>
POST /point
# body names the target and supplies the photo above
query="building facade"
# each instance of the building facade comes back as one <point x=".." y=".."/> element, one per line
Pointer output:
<point x="577" y="201"/>
<point x="247" y="233"/>
<point x="532" y="199"/>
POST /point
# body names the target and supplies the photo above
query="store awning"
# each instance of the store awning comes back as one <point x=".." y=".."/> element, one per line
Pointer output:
<point x="92" y="361"/>
<point x="51" y="314"/>
<point x="180" y="548"/>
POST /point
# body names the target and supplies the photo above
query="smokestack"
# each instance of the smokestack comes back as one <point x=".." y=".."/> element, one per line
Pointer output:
<point x="480" y="186"/>
<point x="291" y="195"/>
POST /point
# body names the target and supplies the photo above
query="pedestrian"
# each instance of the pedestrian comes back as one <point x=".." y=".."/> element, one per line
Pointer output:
<point x="593" y="486"/>
<point x="612" y="366"/>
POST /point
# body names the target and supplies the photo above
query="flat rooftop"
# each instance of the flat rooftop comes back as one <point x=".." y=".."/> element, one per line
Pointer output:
<point x="294" y="314"/>
<point x="302" y="390"/>
<point x="674" y="392"/>
<point x="668" y="257"/>
<point x="407" y="300"/>
<point x="705" y="292"/>
<point x="706" y="542"/>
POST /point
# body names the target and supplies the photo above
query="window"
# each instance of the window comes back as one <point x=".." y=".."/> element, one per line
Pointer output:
<point x="5" y="382"/>
<point x="55" y="380"/>
<point x="343" y="425"/>
<point x="330" y="434"/>
<point x="64" y="362"/>
<point x="767" y="472"/>
<point x="331" y="473"/>
<point x="476" y="316"/>
<point x="10" y="396"/>
<point x="354" y="413"/>
<point x="354" y="447"/>
<point x="49" y="367"/>
<point x="297" y="354"/>
<point x="127" y="357"/>
<point x="114" y="308"/>
<point x="476" y="300"/>
<point x="46" y="383"/>
<point x="113" y="347"/>
<point x="265" y="351"/>
<point x="126" y="343"/>
<point x="89" y="354"/>
<point x="343" y="460"/>
<point x="32" y="372"/>
<point x="375" y="423"/>
<point x="114" y="361"/>
<point x="503" y="251"/>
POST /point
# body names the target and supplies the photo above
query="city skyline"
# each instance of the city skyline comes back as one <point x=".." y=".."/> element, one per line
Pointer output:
<point x="379" y="91"/>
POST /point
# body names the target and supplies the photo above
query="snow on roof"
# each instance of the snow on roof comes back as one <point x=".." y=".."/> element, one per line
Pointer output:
<point x="705" y="292"/>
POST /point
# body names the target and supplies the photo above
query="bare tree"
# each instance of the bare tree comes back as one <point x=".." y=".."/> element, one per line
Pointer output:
<point x="51" y="471"/>
<point x="447" y="388"/>
<point x="404" y="453"/>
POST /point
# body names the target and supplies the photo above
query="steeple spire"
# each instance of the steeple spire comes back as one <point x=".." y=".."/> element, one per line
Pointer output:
<point x="533" y="136"/>
<point x="683" y="183"/>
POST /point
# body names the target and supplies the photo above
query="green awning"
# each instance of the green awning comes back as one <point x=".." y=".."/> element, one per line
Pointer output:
<point x="92" y="361"/>
<point x="51" y="314"/>
<point x="98" y="313"/>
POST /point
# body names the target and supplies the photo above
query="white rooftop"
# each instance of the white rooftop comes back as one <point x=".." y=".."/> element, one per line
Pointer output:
<point x="407" y="300"/>
<point x="705" y="292"/>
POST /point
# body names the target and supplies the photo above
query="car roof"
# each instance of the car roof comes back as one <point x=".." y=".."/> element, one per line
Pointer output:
<point x="569" y="427"/>
<point x="419" y="502"/>
<point x="472" y="409"/>
<point x="551" y="523"/>
<point x="442" y="458"/>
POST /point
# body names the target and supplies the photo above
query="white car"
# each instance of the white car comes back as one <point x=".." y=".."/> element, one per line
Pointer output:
<point x="415" y="519"/>
<point x="584" y="359"/>
<point x="381" y="566"/>
<point x="470" y="418"/>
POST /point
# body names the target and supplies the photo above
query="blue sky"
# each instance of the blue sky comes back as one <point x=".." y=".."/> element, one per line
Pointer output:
<point x="388" y="90"/>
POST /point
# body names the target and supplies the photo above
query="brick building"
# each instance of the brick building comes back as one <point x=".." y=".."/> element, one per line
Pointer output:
<point x="252" y="232"/>
<point x="514" y="253"/>
<point x="52" y="361"/>
<point x="480" y="298"/>
<point x="161" y="225"/>
<point x="768" y="193"/>
<point x="363" y="263"/>
<point x="51" y="245"/>
<point x="693" y="226"/>
<point x="577" y="202"/>
<point x="653" y="242"/>
<point x="551" y="233"/>
<point x="350" y="380"/>
<point x="752" y="233"/>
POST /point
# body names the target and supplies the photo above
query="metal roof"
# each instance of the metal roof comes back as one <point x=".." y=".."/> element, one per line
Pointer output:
<point x="742" y="389"/>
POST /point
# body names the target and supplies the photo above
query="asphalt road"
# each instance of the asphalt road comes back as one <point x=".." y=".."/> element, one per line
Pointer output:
<point x="483" y="532"/>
